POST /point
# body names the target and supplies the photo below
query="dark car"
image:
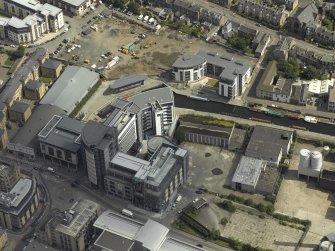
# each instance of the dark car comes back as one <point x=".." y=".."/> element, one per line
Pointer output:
<point x="199" y="192"/>
<point x="71" y="200"/>
<point x="200" y="245"/>
<point x="89" y="21"/>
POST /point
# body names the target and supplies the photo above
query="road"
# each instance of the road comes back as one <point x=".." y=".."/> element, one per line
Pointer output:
<point x="243" y="112"/>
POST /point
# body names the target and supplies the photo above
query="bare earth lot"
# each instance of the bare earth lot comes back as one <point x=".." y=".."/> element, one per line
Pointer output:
<point x="305" y="200"/>
<point x="266" y="233"/>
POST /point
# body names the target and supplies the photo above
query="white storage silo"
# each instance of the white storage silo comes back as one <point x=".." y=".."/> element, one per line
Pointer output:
<point x="316" y="160"/>
<point x="325" y="150"/>
<point x="304" y="158"/>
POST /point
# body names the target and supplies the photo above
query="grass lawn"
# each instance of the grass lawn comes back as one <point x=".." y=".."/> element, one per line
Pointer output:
<point x="46" y="80"/>
<point x="9" y="62"/>
<point x="212" y="82"/>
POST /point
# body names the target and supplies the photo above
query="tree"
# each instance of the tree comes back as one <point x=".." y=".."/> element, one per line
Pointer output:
<point x="289" y="69"/>
<point x="135" y="8"/>
<point x="310" y="72"/>
<point x="20" y="51"/>
<point x="119" y="3"/>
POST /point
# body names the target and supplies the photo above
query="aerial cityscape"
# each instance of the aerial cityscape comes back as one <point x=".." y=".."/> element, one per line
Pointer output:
<point x="167" y="125"/>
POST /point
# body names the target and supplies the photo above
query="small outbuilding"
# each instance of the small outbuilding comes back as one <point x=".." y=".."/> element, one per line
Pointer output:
<point x="247" y="174"/>
<point x="126" y="83"/>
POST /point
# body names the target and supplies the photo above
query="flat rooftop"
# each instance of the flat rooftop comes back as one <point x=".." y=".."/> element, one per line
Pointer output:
<point x="62" y="132"/>
<point x="81" y="212"/>
<point x="129" y="162"/>
<point x="145" y="99"/>
<point x="248" y="171"/>
<point x="110" y="241"/>
<point x="32" y="5"/>
<point x="117" y="224"/>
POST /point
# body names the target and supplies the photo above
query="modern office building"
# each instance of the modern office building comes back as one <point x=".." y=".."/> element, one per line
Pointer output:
<point x="121" y="233"/>
<point x="152" y="184"/>
<point x="100" y="144"/>
<point x="233" y="74"/>
<point x="72" y="7"/>
<point x="188" y="68"/>
<point x="71" y="230"/>
<point x="30" y="20"/>
<point x="9" y="176"/>
<point x="156" y="111"/>
<point x="123" y="118"/>
<point x="60" y="141"/>
<point x="18" y="206"/>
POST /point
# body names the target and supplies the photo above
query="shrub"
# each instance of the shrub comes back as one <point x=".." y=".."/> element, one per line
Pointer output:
<point x="261" y="207"/>
<point x="223" y="221"/>
<point x="270" y="198"/>
<point x="228" y="205"/>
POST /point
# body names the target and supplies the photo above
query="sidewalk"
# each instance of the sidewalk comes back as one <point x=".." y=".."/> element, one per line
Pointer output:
<point x="293" y="108"/>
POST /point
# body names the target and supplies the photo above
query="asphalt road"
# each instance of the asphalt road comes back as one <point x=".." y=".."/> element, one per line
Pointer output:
<point x="182" y="101"/>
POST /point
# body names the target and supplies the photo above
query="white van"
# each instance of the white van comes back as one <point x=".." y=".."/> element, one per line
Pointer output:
<point x="140" y="17"/>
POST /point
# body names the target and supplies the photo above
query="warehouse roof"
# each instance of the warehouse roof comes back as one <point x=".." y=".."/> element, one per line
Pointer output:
<point x="188" y="61"/>
<point x="145" y="99"/>
<point x="248" y="171"/>
<point x="70" y="88"/>
<point x="266" y="142"/>
<point x="127" y="81"/>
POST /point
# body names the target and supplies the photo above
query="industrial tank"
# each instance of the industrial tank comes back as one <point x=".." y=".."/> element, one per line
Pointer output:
<point x="304" y="158"/>
<point x="325" y="150"/>
<point x="316" y="160"/>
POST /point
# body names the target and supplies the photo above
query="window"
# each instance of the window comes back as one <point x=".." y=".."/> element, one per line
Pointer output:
<point x="51" y="151"/>
<point x="59" y="154"/>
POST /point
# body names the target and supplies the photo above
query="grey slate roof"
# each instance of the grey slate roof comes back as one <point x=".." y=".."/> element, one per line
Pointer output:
<point x="308" y="14"/>
<point x="224" y="61"/>
<point x="127" y="81"/>
<point x="248" y="171"/>
<point x="33" y="85"/>
<point x="144" y="99"/>
<point x="75" y="2"/>
<point x="19" y="107"/>
<point x="188" y="61"/>
<point x="51" y="64"/>
<point x="13" y="84"/>
<point x="70" y="88"/>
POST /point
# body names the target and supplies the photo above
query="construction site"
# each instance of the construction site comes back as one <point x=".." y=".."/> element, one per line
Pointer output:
<point x="138" y="49"/>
